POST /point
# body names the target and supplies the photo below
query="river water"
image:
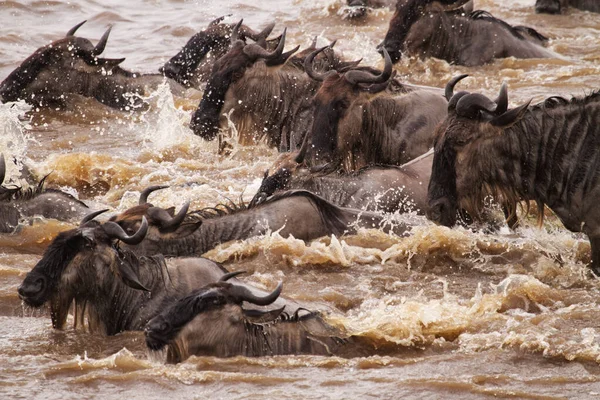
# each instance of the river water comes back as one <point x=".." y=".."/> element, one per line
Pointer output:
<point x="455" y="313"/>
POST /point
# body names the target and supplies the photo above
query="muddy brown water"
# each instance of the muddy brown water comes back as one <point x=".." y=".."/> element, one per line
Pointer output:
<point x="455" y="313"/>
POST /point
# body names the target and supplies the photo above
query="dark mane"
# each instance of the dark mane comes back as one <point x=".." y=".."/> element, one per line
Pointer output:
<point x="557" y="101"/>
<point x="331" y="215"/>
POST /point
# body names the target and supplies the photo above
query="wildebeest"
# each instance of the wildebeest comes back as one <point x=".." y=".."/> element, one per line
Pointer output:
<point x="376" y="188"/>
<point x="113" y="287"/>
<point x="558" y="6"/>
<point x="73" y="66"/>
<point x="296" y="213"/>
<point x="17" y="203"/>
<point x="193" y="64"/>
<point x="425" y="28"/>
<point x="547" y="153"/>
<point x="212" y="322"/>
<point x="266" y="94"/>
<point x="357" y="124"/>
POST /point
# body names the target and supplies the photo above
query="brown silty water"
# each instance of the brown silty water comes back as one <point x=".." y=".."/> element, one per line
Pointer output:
<point x="454" y="313"/>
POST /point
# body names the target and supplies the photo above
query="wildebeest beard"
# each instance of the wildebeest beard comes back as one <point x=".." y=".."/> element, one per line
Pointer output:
<point x="324" y="136"/>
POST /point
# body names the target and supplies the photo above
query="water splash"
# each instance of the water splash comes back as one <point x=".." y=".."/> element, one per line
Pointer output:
<point x="14" y="137"/>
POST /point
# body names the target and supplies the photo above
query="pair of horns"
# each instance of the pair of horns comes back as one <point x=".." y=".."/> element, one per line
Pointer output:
<point x="114" y="230"/>
<point x="161" y="216"/>
<point x="254" y="51"/>
<point x="243" y="294"/>
<point x="469" y="104"/>
<point x="99" y="48"/>
<point x="353" y="76"/>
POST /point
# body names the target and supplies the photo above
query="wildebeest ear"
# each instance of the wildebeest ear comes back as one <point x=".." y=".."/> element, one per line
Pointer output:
<point x="510" y="117"/>
<point x="129" y="277"/>
<point x="262" y="317"/>
<point x="110" y="63"/>
<point x="182" y="230"/>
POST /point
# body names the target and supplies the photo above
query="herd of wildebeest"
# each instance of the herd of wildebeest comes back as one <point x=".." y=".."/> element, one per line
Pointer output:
<point x="355" y="144"/>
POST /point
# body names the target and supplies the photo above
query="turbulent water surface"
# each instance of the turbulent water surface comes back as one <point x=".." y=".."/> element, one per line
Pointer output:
<point x="454" y="313"/>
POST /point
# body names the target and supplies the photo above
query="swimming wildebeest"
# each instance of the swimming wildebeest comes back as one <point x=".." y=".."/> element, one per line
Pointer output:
<point x="17" y="203"/>
<point x="376" y="188"/>
<point x="425" y="28"/>
<point x="212" y="322"/>
<point x="116" y="289"/>
<point x="558" y="6"/>
<point x="265" y="95"/>
<point x="357" y="124"/>
<point x="73" y="66"/>
<point x="193" y="64"/>
<point x="547" y="153"/>
<point x="296" y="213"/>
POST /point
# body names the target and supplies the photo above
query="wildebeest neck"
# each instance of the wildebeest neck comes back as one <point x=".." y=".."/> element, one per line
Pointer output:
<point x="181" y="67"/>
<point x="14" y="84"/>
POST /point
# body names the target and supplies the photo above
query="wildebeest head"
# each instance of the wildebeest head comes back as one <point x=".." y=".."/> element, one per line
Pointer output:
<point x="216" y="39"/>
<point x="333" y="100"/>
<point x="216" y="308"/>
<point x="68" y="65"/>
<point x="226" y="71"/>
<point x="75" y="261"/>
<point x="550" y="6"/>
<point x="407" y="13"/>
<point x="455" y="179"/>
<point x="163" y="224"/>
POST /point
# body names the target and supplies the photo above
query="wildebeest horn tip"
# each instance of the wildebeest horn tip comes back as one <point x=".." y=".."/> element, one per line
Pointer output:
<point x="72" y="31"/>
<point x="230" y="275"/>
<point x="91" y="216"/>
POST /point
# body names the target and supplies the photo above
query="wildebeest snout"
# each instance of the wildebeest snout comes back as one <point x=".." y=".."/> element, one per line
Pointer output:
<point x="32" y="290"/>
<point x="442" y="212"/>
<point x="548" y="6"/>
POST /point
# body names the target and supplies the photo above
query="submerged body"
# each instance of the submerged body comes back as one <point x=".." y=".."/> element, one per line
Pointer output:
<point x="378" y="188"/>
<point x="420" y="28"/>
<point x="298" y="213"/>
<point x="559" y="6"/>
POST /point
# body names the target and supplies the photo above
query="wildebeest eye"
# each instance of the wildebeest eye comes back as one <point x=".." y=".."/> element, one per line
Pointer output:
<point x="164" y="326"/>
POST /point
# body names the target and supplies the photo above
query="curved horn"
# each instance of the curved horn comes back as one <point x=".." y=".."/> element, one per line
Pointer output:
<point x="283" y="57"/>
<point x="72" y="31"/>
<point x="455" y="98"/>
<point x="313" y="44"/>
<point x="230" y="275"/>
<point x="449" y="92"/>
<point x="114" y="230"/>
<point x="2" y="168"/>
<point x="469" y="105"/>
<point x="254" y="51"/>
<point x="502" y="100"/>
<point x="177" y="219"/>
<point x="91" y="216"/>
<point x="308" y="65"/>
<point x="243" y="294"/>
<point x="146" y="192"/>
<point x="235" y="33"/>
<point x="356" y="77"/>
<point x="260" y="36"/>
<point x="102" y="43"/>
<point x="217" y="21"/>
